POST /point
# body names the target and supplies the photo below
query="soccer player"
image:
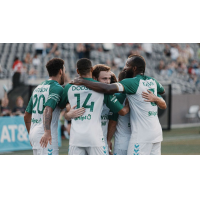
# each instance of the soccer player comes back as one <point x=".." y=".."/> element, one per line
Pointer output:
<point x="146" y="134"/>
<point x="120" y="125"/>
<point x="42" y="113"/>
<point x="86" y="136"/>
<point x="102" y="74"/>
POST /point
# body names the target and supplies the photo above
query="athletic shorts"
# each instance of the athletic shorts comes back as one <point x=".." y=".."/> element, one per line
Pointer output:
<point x="74" y="150"/>
<point x="144" y="149"/>
<point x="120" y="152"/>
<point x="46" y="151"/>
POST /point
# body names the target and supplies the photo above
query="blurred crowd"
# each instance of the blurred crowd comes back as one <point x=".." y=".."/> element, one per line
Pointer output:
<point x="180" y="60"/>
<point x="18" y="110"/>
<point x="174" y="58"/>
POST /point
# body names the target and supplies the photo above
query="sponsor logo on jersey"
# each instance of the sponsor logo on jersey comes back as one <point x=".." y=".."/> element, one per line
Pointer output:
<point x="41" y="89"/>
<point x="110" y="113"/>
<point x="36" y="120"/>
<point x="78" y="88"/>
<point x="104" y="117"/>
<point x="148" y="84"/>
<point x="84" y="117"/>
<point x="103" y="123"/>
<point x="150" y="113"/>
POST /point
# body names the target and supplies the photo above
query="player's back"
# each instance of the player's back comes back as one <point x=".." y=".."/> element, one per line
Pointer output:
<point x="86" y="130"/>
<point x="144" y="118"/>
<point x="44" y="95"/>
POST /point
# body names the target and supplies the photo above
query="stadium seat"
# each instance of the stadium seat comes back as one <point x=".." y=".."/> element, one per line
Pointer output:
<point x="193" y="112"/>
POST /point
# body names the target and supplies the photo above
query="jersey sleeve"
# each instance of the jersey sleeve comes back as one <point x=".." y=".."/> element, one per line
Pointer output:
<point x="112" y="102"/>
<point x="160" y="88"/>
<point x="54" y="97"/>
<point x="64" y="98"/>
<point x="130" y="85"/>
<point x="158" y="95"/>
<point x="30" y="106"/>
<point x="113" y="116"/>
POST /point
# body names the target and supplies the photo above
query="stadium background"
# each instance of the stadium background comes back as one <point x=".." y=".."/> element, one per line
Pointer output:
<point x="176" y="66"/>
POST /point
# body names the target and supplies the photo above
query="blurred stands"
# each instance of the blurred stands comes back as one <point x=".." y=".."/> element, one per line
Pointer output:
<point x="181" y="68"/>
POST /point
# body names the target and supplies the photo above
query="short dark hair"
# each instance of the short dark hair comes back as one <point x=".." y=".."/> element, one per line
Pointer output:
<point x="113" y="78"/>
<point x="84" y="66"/>
<point x="54" y="65"/>
<point x="99" y="68"/>
<point x="122" y="75"/>
<point x="139" y="62"/>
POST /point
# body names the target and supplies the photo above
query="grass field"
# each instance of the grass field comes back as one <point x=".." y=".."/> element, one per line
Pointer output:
<point x="176" y="142"/>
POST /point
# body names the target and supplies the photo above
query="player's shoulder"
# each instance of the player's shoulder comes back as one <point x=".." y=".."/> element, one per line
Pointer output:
<point x="56" y="87"/>
<point x="121" y="97"/>
<point x="149" y="78"/>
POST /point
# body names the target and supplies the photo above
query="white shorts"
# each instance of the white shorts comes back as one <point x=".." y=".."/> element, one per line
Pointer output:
<point x="120" y="152"/>
<point x="74" y="150"/>
<point x="46" y="151"/>
<point x="144" y="149"/>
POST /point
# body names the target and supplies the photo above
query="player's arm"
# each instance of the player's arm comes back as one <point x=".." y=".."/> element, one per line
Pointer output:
<point x="160" y="88"/>
<point x="47" y="117"/>
<point x="115" y="106"/>
<point x="54" y="98"/>
<point x="27" y="120"/>
<point x="125" y="109"/>
<point x="150" y="97"/>
<point x="73" y="113"/>
<point x="111" y="130"/>
<point x="28" y="115"/>
<point x="99" y="87"/>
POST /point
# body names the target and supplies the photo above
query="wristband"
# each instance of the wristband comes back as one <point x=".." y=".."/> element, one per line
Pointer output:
<point x="120" y="87"/>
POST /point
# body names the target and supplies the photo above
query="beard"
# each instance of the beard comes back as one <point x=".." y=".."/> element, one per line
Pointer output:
<point x="129" y="73"/>
<point x="62" y="80"/>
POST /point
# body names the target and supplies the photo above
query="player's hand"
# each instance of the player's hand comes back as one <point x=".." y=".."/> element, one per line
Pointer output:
<point x="45" y="139"/>
<point x="74" y="113"/>
<point x="127" y="102"/>
<point x="110" y="147"/>
<point x="149" y="96"/>
<point x="77" y="81"/>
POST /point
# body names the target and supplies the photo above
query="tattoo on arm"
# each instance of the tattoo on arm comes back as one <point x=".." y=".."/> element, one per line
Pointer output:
<point x="47" y="117"/>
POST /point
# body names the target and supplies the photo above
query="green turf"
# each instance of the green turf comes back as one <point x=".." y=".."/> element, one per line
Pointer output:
<point x="175" y="142"/>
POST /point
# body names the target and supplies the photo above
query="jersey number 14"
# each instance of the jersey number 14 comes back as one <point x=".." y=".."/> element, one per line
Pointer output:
<point x="91" y="106"/>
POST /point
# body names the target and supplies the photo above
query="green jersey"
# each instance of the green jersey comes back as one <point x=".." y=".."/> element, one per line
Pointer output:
<point x="86" y="130"/>
<point x="144" y="120"/>
<point x="48" y="93"/>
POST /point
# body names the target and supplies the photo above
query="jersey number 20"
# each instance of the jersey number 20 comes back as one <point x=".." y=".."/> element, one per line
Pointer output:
<point x="37" y="100"/>
<point x="91" y="106"/>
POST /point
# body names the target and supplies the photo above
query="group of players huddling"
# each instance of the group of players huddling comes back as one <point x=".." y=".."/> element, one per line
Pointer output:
<point x="98" y="107"/>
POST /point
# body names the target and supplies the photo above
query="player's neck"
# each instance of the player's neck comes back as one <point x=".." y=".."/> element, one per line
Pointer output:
<point x="54" y="78"/>
<point x="86" y="76"/>
<point x="138" y="74"/>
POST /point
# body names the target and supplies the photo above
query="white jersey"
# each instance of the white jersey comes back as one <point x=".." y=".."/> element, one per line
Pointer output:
<point x="123" y="128"/>
<point x="104" y="121"/>
<point x="144" y="118"/>
<point x="86" y="130"/>
<point x="49" y="94"/>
